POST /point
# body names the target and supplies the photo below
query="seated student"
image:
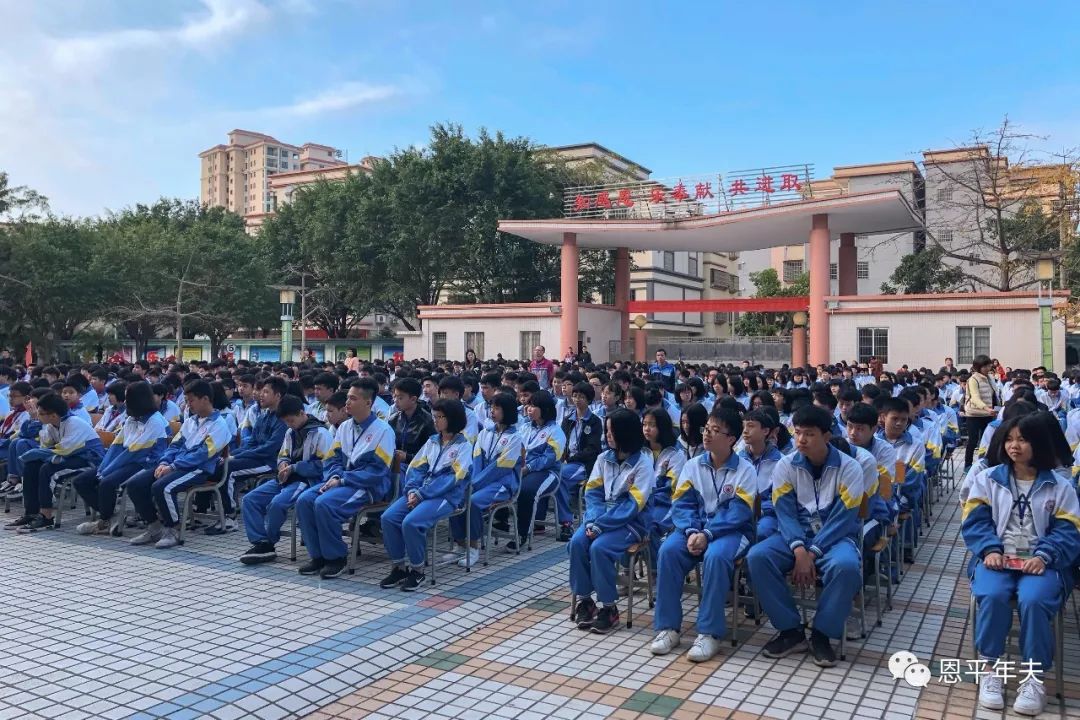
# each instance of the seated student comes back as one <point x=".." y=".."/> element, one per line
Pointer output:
<point x="611" y="397"/>
<point x="759" y="432"/>
<point x="862" y="423"/>
<point x="307" y="445"/>
<point x="1014" y="410"/>
<point x="668" y="461"/>
<point x="634" y="399"/>
<point x="412" y="422"/>
<point x="336" y="412"/>
<point x="489" y="385"/>
<point x="248" y="404"/>
<point x="191" y="460"/>
<point x="910" y="456"/>
<point x="825" y="399"/>
<point x="816" y="494"/>
<point x="496" y="456"/>
<point x="99" y="384"/>
<point x="525" y="390"/>
<point x="324" y="386"/>
<point x="544" y="445"/>
<point x="434" y="487"/>
<point x="582" y="430"/>
<point x="29" y="437"/>
<point x="357" y="474"/>
<point x="713" y="515"/>
<point x="68" y="443"/>
<point x="168" y="409"/>
<point x="692" y="424"/>
<point x="72" y="392"/>
<point x="8" y="376"/>
<point x="258" y="452"/>
<point x="451" y="388"/>
<point x="139" y="445"/>
<point x="113" y="416"/>
<point x="616" y="497"/>
<point x="12" y="424"/>
<point x="1021" y="524"/>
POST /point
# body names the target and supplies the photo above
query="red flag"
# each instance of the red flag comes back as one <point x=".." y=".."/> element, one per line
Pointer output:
<point x="29" y="358"/>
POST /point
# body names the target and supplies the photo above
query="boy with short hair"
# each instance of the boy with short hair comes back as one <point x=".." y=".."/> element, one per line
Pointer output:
<point x="451" y="388"/>
<point x="68" y="444"/>
<point x="10" y="428"/>
<point x="817" y="491"/>
<point x="307" y="445"/>
<point x="324" y="386"/>
<point x="759" y="429"/>
<point x="72" y="391"/>
<point x="910" y="456"/>
<point x="335" y="411"/>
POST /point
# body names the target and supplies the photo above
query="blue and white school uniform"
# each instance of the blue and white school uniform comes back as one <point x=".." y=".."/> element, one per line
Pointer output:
<point x="718" y="502"/>
<point x="544" y="447"/>
<point x="112" y="419"/>
<point x="763" y="470"/>
<point x="381" y="408"/>
<point x="194" y="456"/>
<point x="170" y="410"/>
<point x="438" y="477"/>
<point x="257" y="454"/>
<point x="495" y="461"/>
<point x="64" y="450"/>
<point x="1039" y="518"/>
<point x="667" y="466"/>
<point x="908" y="491"/>
<point x="265" y="508"/>
<point x="616" y="496"/>
<point x="138" y="445"/>
<point x="361" y="457"/>
<point x="818" y="509"/>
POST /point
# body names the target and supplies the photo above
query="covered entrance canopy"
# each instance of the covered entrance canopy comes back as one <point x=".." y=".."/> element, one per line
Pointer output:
<point x="816" y="221"/>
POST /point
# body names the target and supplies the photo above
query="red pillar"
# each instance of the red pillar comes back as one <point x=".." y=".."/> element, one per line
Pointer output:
<point x="622" y="295"/>
<point x="641" y="345"/>
<point x="819" y="288"/>
<point x="847" y="279"/>
<point x="798" y="347"/>
<point x="568" y="322"/>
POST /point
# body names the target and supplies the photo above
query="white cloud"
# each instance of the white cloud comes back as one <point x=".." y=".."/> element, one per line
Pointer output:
<point x="342" y="97"/>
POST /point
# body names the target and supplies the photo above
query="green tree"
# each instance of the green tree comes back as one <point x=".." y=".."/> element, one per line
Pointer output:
<point x="20" y="199"/>
<point x="924" y="272"/>
<point x="766" y="285"/>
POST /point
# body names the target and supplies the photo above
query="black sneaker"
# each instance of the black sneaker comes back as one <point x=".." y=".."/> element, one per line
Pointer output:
<point x="607" y="619"/>
<point x="38" y="523"/>
<point x="412" y="581"/>
<point x="566" y="531"/>
<point x="313" y="567"/>
<point x="584" y="613"/>
<point x="500" y="525"/>
<point x="19" y="522"/>
<point x="395" y="578"/>
<point x="260" y="552"/>
<point x="333" y="568"/>
<point x="822" y="649"/>
<point x="785" y="643"/>
<point x="513" y="546"/>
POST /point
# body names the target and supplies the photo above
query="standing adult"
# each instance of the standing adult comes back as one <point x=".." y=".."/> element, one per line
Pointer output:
<point x="352" y="363"/>
<point x="978" y="404"/>
<point x="662" y="371"/>
<point x="542" y="368"/>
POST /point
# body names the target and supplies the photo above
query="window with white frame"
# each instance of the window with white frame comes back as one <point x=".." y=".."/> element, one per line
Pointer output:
<point x="971" y="340"/>
<point x="873" y="342"/>
<point x="792" y="270"/>
<point x="862" y="270"/>
<point x="833" y="273"/>
<point x="669" y="260"/>
<point x="529" y="340"/>
<point x="475" y="341"/>
<point x="438" y="346"/>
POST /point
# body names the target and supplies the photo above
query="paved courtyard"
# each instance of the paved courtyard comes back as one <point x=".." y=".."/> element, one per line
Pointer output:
<point x="94" y="628"/>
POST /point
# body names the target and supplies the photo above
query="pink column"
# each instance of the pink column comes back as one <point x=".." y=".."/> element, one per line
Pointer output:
<point x="798" y="347"/>
<point x="622" y="294"/>
<point x="847" y="279"/>
<point x="568" y="323"/>
<point x="819" y="288"/>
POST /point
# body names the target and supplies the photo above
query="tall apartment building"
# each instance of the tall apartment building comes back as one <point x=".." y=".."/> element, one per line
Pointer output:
<point x="237" y="175"/>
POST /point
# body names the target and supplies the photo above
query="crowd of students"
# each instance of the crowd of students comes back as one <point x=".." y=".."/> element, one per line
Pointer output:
<point x="794" y="472"/>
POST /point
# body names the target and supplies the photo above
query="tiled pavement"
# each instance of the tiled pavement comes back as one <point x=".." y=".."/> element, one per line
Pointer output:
<point x="93" y="628"/>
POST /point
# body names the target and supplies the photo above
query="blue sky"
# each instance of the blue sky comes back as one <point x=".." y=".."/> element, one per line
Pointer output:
<point x="105" y="103"/>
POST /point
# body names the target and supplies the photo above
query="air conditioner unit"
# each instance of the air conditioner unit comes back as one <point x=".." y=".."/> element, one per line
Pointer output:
<point x="380" y="319"/>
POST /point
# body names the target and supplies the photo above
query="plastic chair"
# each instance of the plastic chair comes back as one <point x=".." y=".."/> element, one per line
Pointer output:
<point x="490" y="533"/>
<point x="547" y="490"/>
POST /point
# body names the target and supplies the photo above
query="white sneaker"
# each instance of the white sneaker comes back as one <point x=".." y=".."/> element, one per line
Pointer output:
<point x="450" y="556"/>
<point x="168" y="539"/>
<point x="991" y="695"/>
<point x="151" y="535"/>
<point x="853" y="629"/>
<point x="92" y="527"/>
<point x="473" y="558"/>
<point x="705" y="647"/>
<point x="665" y="641"/>
<point x="1030" y="698"/>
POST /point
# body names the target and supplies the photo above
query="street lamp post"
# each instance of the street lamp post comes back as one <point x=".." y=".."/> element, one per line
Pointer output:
<point x="1044" y="272"/>
<point x="287" y="298"/>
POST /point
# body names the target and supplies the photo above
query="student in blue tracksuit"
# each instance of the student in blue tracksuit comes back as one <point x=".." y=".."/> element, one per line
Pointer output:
<point x="583" y="431"/>
<point x="29" y="438"/>
<point x="616" y="498"/>
<point x="759" y="434"/>
<point x="168" y="409"/>
<point x="258" y="451"/>
<point x="668" y="461"/>
<point x="713" y="515"/>
<point x="496" y="458"/>
<point x="862" y="422"/>
<point x="138" y="445"/>
<point x="68" y="444"/>
<point x="544" y="445"/>
<point x="306" y="447"/>
<point x="72" y="392"/>
<point x="18" y="415"/>
<point x="817" y="491"/>
<point x="114" y="412"/>
<point x="691" y="426"/>
<point x="435" y="486"/>
<point x="452" y="388"/>
<point x="1021" y="522"/>
<point x="356" y="474"/>
<point x="910" y="451"/>
<point x="192" y="459"/>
